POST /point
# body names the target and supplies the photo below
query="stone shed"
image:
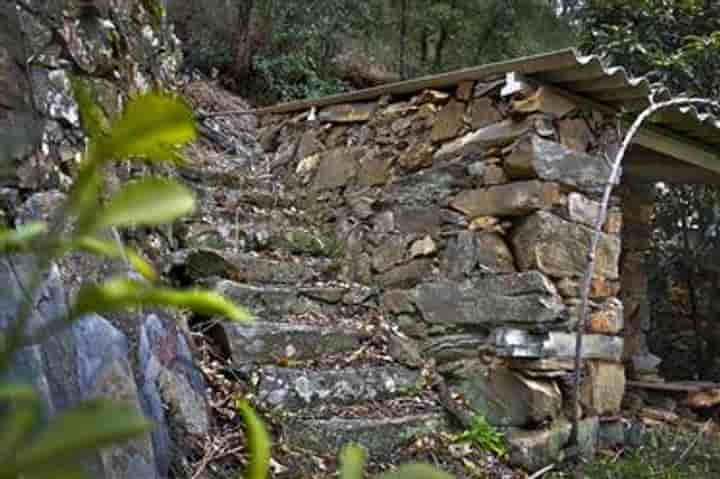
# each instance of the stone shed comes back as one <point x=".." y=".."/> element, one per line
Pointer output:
<point x="463" y="202"/>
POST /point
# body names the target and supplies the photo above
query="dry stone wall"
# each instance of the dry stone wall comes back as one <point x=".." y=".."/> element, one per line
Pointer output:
<point x="468" y="216"/>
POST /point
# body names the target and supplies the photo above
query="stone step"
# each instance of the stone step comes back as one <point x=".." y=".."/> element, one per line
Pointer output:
<point x="199" y="264"/>
<point x="268" y="342"/>
<point x="297" y="388"/>
<point x="380" y="437"/>
<point x="283" y="300"/>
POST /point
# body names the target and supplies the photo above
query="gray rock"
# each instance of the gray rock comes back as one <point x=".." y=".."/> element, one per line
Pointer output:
<point x="264" y="342"/>
<point x="497" y="134"/>
<point x="645" y="363"/>
<point x="104" y="372"/>
<point x="581" y="209"/>
<point x="555" y="162"/>
<point x="331" y="295"/>
<point x="547" y="243"/>
<point x="477" y="169"/>
<point x="455" y="347"/>
<point x="507" y="398"/>
<point x="425" y="220"/>
<point x="471" y="250"/>
<point x="513" y="199"/>
<point x="380" y="437"/>
<point x="405" y="351"/>
<point x="390" y="252"/>
<point x="262" y="300"/>
<point x="40" y="207"/>
<point x="611" y="434"/>
<point x="494" y="255"/>
<point x="172" y="388"/>
<point x="254" y="269"/>
<point x="398" y="301"/>
<point x="406" y="275"/>
<point x="460" y="256"/>
<point x="57" y="354"/>
<point x="533" y="450"/>
<point x="518" y="343"/>
<point x="526" y="299"/>
<point x="337" y="167"/>
<point x="295" y="388"/>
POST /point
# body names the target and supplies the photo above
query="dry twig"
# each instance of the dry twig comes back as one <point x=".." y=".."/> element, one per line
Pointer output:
<point x="599" y="221"/>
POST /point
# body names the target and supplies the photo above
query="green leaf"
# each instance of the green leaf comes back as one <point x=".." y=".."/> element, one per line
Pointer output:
<point x="417" y="471"/>
<point x="149" y="201"/>
<point x="16" y="425"/>
<point x="17" y="392"/>
<point x="13" y="240"/>
<point x="120" y="294"/>
<point x="92" y="118"/>
<point x="258" y="444"/>
<point x="352" y="461"/>
<point x="85" y="193"/>
<point x="152" y="126"/>
<point x="90" y="426"/>
<point x="113" y="250"/>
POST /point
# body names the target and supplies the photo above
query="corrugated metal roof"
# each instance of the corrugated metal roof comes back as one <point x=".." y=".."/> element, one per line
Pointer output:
<point x="584" y="76"/>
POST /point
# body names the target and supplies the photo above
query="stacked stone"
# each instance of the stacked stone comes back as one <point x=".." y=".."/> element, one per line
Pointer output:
<point x="470" y="213"/>
<point x="637" y="234"/>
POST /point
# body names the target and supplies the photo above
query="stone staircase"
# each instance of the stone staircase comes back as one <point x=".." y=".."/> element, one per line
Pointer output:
<point x="326" y="373"/>
<point x="319" y="359"/>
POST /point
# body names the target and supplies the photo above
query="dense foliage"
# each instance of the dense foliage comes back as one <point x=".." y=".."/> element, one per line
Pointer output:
<point x="317" y="47"/>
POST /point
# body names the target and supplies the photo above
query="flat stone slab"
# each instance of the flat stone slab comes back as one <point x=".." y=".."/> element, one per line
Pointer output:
<point x="512" y="199"/>
<point x="518" y="298"/>
<point x="266" y="342"/>
<point x="518" y="343"/>
<point x="296" y="388"/>
<point x="380" y="437"/>
<point x="496" y="134"/>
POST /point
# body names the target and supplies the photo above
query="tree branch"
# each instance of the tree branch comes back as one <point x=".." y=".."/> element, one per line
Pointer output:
<point x="599" y="221"/>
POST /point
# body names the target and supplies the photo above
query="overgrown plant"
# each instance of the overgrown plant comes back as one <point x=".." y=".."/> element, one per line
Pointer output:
<point x="484" y="435"/>
<point x="152" y="128"/>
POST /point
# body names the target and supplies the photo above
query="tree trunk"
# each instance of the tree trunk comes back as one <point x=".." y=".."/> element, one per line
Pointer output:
<point x="403" y="38"/>
<point x="243" y="61"/>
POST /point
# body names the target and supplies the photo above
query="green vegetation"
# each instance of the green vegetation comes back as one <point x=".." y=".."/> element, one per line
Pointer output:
<point x="666" y="453"/>
<point x="485" y="436"/>
<point x="152" y="128"/>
